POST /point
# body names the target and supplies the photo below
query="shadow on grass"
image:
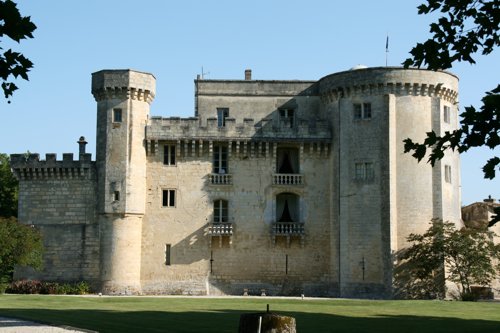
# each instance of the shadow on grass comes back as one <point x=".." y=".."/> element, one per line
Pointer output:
<point x="227" y="321"/>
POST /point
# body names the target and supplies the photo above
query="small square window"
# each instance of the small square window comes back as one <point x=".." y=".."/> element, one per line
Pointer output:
<point x="364" y="171"/>
<point x="362" y="111"/>
<point x="168" y="198"/>
<point x="169" y="154"/>
<point x="117" y="115"/>
<point x="116" y="196"/>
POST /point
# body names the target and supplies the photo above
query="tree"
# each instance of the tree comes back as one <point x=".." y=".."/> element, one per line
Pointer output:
<point x="467" y="254"/>
<point x="468" y="27"/>
<point x="8" y="188"/>
<point x="21" y="245"/>
<point x="16" y="27"/>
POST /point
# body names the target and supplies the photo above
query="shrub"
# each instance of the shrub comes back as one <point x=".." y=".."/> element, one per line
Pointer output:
<point x="25" y="287"/>
<point x="81" y="288"/>
<point x="49" y="288"/>
<point x="64" y="289"/>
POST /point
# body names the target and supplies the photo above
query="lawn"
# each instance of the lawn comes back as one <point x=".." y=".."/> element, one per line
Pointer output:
<point x="189" y="314"/>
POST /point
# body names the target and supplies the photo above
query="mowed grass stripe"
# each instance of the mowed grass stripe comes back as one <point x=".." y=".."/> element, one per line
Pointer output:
<point x="189" y="314"/>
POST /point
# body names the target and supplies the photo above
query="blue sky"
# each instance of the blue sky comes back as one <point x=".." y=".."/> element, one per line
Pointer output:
<point x="175" y="39"/>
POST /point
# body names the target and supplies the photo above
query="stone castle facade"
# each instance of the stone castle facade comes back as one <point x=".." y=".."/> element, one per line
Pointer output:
<point x="294" y="187"/>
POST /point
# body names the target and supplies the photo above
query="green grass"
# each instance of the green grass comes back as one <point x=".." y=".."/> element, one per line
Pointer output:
<point x="157" y="314"/>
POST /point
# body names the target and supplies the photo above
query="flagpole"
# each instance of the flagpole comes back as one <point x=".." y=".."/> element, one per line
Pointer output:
<point x="386" y="49"/>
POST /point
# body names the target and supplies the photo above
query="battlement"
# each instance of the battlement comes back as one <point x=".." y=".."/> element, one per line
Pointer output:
<point x="31" y="167"/>
<point x="389" y="80"/>
<point x="122" y="84"/>
<point x="174" y="128"/>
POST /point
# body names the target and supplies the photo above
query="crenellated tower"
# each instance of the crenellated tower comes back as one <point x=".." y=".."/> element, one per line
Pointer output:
<point x="123" y="98"/>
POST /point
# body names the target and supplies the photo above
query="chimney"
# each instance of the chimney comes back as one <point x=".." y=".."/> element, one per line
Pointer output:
<point x="248" y="74"/>
<point x="489" y="199"/>
<point x="81" y="146"/>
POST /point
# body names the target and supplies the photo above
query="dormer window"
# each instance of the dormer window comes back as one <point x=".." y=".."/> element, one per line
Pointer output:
<point x="287" y="117"/>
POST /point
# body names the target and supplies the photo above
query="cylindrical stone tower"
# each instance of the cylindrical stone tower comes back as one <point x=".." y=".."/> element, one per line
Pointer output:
<point x="123" y="98"/>
<point x="382" y="194"/>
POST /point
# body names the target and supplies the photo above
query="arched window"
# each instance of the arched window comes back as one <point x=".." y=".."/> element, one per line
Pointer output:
<point x="220" y="211"/>
<point x="287" y="207"/>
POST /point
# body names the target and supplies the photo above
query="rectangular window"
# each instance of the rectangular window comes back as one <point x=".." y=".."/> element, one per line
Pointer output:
<point x="362" y="111"/>
<point x="168" y="199"/>
<point x="117" y="115"/>
<point x="116" y="196"/>
<point x="367" y="110"/>
<point x="167" y="254"/>
<point x="364" y="171"/>
<point x="220" y="211"/>
<point x="220" y="164"/>
<point x="447" y="173"/>
<point x="358" y="111"/>
<point x="287" y="117"/>
<point x="446" y="114"/>
<point x="222" y="114"/>
<point x="169" y="154"/>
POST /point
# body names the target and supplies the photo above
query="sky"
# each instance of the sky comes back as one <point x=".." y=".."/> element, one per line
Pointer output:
<point x="176" y="40"/>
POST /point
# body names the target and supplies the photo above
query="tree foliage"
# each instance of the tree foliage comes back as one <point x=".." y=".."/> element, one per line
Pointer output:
<point x="16" y="27"/>
<point x="467" y="27"/>
<point x="8" y="188"/>
<point x="21" y="245"/>
<point x="467" y="255"/>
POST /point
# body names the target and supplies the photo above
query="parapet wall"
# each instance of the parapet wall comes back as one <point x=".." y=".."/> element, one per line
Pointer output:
<point x="31" y="167"/>
<point x="189" y="128"/>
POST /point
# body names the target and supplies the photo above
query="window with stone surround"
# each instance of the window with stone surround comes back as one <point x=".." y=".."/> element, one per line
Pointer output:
<point x="220" y="163"/>
<point x="168" y="198"/>
<point x="169" y="154"/>
<point x="117" y="115"/>
<point x="362" y="111"/>
<point x="446" y="114"/>
<point x="222" y="114"/>
<point x="447" y="173"/>
<point x="220" y="211"/>
<point x="363" y="171"/>
<point x="116" y="195"/>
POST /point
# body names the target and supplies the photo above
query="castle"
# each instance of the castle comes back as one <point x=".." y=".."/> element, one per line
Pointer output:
<point x="282" y="187"/>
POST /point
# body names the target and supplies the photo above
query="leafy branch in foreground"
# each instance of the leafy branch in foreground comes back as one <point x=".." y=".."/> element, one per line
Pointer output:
<point x="16" y="27"/>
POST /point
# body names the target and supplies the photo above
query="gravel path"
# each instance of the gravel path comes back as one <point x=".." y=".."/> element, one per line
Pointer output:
<point x="11" y="325"/>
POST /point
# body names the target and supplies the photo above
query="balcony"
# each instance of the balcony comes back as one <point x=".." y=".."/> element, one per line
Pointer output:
<point x="288" y="230"/>
<point x="220" y="229"/>
<point x="220" y="179"/>
<point x="288" y="179"/>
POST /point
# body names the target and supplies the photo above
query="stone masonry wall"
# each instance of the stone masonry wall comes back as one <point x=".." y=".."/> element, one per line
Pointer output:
<point x="249" y="259"/>
<point x="58" y="198"/>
